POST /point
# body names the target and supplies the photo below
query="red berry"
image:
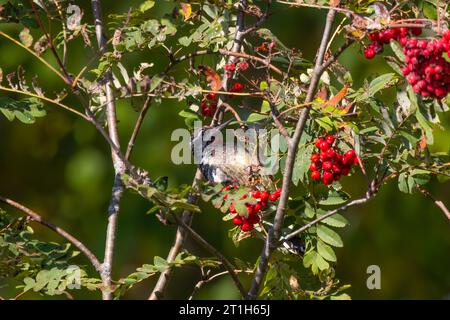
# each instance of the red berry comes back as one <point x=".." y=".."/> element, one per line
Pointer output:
<point x="416" y="31"/>
<point x="336" y="169"/>
<point x="350" y="153"/>
<point x="327" y="178"/>
<point x="230" y="67"/>
<point x="273" y="197"/>
<point x="403" y="41"/>
<point x="313" y="167"/>
<point x="232" y="208"/>
<point x="348" y="161"/>
<point x="327" y="165"/>
<point x="278" y="191"/>
<point x="315" y="157"/>
<point x="237" y="221"/>
<point x="345" y="170"/>
<point x="236" y="87"/>
<point x="324" y="146"/>
<point x="257" y="207"/>
<point x="256" y="194"/>
<point x="330" y="139"/>
<point x="331" y="153"/>
<point x="318" y="142"/>
<point x="264" y="196"/>
<point x="211" y="96"/>
<point x="225" y="197"/>
<point x="315" y="175"/>
<point x="250" y="210"/>
<point x="369" y="53"/>
<point x="243" y="65"/>
<point x="374" y="36"/>
<point x="253" y="219"/>
<point x="246" y="227"/>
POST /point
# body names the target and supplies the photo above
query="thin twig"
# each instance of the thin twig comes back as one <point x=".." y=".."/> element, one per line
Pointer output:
<point x="227" y="264"/>
<point x="275" y="231"/>
<point x="37" y="218"/>
<point x="137" y="126"/>
<point x="59" y="74"/>
<point x="327" y="215"/>
<point x="437" y="202"/>
<point x="158" y="290"/>
<point x="46" y="99"/>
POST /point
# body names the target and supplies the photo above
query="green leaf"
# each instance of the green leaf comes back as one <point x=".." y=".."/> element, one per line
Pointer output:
<point x="326" y="123"/>
<point x="406" y="183"/>
<point x="25" y="110"/>
<point x="155" y="82"/>
<point x="334" y="198"/>
<point x="256" y="117"/>
<point x="336" y="220"/>
<point x="398" y="50"/>
<point x="429" y="10"/>
<point x="321" y="263"/>
<point x="302" y="162"/>
<point x="329" y="236"/>
<point x="379" y="83"/>
<point x="160" y="263"/>
<point x="425" y="126"/>
<point x="146" y="5"/>
<point x="420" y="176"/>
<point x="326" y="251"/>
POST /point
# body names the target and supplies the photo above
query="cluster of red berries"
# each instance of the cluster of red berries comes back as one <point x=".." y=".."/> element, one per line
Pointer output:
<point x="259" y="200"/>
<point x="426" y="69"/>
<point x="231" y="67"/>
<point x="329" y="164"/>
<point x="380" y="38"/>
<point x="209" y="105"/>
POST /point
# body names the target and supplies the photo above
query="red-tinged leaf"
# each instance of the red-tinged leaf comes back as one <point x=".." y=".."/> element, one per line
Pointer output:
<point x="212" y="77"/>
<point x="423" y="143"/>
<point x="334" y="101"/>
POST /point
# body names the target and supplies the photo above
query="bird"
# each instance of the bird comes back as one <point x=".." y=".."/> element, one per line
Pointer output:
<point x="223" y="162"/>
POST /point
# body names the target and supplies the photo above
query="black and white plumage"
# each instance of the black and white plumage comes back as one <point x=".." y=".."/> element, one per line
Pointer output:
<point x="220" y="162"/>
<point x="295" y="245"/>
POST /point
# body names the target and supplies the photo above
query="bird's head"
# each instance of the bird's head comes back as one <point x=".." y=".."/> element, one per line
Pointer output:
<point x="206" y="135"/>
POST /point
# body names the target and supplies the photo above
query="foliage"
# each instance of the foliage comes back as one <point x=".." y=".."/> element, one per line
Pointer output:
<point x="198" y="42"/>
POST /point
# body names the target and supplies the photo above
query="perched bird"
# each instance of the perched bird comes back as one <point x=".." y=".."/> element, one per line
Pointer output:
<point x="224" y="161"/>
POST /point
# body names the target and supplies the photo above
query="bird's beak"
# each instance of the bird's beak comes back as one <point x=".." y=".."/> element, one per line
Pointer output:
<point x="223" y="125"/>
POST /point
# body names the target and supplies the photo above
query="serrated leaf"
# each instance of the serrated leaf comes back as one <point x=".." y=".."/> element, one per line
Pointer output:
<point x="329" y="236"/>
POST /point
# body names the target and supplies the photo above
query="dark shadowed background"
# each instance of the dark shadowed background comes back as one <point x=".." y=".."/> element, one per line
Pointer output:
<point x="61" y="168"/>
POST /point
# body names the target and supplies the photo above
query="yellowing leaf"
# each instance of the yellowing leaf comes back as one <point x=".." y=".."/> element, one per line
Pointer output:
<point x="186" y="10"/>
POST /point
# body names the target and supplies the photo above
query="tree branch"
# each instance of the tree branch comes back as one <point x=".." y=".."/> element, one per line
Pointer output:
<point x="327" y="215"/>
<point x="180" y="238"/>
<point x="119" y="165"/>
<point x="437" y="202"/>
<point x="37" y="218"/>
<point x="274" y="232"/>
<point x="227" y="264"/>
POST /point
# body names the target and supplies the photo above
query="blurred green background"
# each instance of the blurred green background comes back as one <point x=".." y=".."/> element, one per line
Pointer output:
<point x="61" y="168"/>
